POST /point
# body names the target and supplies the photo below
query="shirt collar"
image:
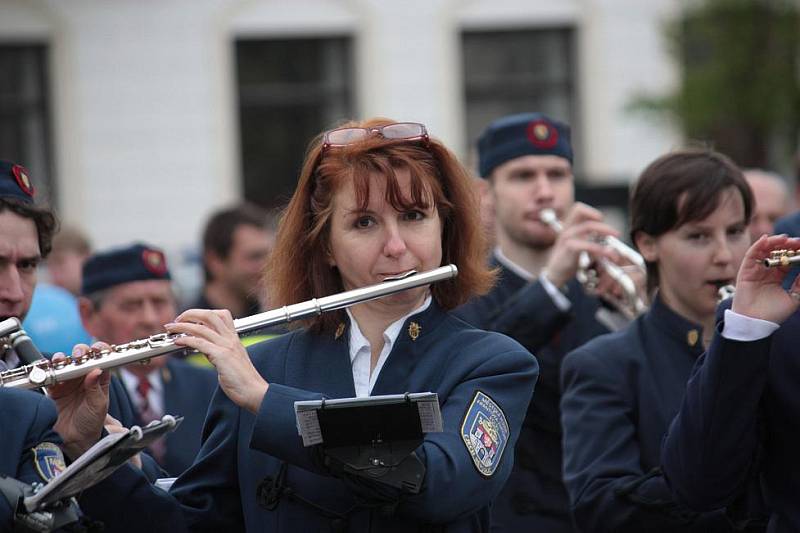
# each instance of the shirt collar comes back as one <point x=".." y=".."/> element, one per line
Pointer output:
<point x="358" y="341"/>
<point x="132" y="381"/>
<point x="512" y="266"/>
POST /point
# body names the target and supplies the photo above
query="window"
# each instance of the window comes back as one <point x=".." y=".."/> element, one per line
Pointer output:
<point x="508" y="72"/>
<point x="25" y="112"/>
<point x="289" y="91"/>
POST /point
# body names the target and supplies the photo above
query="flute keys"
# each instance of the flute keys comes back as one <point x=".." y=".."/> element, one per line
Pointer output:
<point x="38" y="376"/>
<point x="781" y="258"/>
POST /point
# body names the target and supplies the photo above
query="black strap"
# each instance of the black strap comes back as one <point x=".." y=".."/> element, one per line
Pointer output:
<point x="272" y="489"/>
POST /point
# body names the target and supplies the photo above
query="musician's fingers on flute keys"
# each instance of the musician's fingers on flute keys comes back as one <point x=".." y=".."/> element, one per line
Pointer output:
<point x="219" y="320"/>
<point x="211" y="332"/>
<point x="759" y="290"/>
<point x="216" y="337"/>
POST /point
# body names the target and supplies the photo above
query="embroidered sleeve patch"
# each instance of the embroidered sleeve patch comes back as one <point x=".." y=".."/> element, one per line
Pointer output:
<point x="485" y="433"/>
<point x="49" y="460"/>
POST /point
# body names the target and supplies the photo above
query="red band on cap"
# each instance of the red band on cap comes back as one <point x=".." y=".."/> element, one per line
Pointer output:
<point x="24" y="182"/>
<point x="542" y="134"/>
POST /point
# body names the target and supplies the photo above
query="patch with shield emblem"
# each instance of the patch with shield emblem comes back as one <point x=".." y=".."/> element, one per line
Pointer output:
<point x="49" y="460"/>
<point x="485" y="433"/>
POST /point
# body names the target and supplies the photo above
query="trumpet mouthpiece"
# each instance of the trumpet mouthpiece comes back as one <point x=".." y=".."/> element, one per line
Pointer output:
<point x="549" y="217"/>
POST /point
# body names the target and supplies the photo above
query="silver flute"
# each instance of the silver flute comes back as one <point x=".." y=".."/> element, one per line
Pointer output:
<point x="45" y="373"/>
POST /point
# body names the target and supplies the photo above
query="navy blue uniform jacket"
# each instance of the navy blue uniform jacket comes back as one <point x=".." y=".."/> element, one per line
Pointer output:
<point x="26" y="420"/>
<point x="218" y="493"/>
<point x="187" y="392"/>
<point x="619" y="394"/>
<point x="741" y="415"/>
<point x="535" y="496"/>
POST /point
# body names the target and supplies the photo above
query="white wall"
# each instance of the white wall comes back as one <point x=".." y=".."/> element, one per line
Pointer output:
<point x="622" y="52"/>
<point x="144" y="91"/>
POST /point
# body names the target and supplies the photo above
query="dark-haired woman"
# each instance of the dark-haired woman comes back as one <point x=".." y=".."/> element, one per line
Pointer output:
<point x="689" y="214"/>
<point x="375" y="199"/>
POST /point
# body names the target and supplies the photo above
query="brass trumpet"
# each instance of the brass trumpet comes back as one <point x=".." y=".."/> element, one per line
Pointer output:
<point x="781" y="258"/>
<point x="631" y="304"/>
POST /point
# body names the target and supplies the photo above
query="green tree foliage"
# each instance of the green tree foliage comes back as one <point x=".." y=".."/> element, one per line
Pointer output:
<point x="740" y="61"/>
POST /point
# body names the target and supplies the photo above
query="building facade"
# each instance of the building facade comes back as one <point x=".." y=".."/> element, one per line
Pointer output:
<point x="144" y="116"/>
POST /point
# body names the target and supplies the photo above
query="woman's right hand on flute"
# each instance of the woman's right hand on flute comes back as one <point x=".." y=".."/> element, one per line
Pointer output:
<point x="213" y="334"/>
<point x="759" y="290"/>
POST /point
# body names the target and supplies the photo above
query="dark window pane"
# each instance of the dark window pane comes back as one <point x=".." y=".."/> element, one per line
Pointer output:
<point x="289" y="91"/>
<point x="509" y="72"/>
<point x="24" y="112"/>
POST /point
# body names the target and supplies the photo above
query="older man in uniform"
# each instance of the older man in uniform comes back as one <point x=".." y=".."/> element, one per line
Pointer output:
<point x="127" y="295"/>
<point x="527" y="161"/>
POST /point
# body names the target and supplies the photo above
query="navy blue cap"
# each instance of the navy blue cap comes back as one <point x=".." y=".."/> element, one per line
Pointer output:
<point x="15" y="182"/>
<point x="518" y="135"/>
<point x="137" y="262"/>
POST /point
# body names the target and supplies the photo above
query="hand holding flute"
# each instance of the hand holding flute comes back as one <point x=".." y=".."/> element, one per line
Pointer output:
<point x="759" y="290"/>
<point x="212" y="333"/>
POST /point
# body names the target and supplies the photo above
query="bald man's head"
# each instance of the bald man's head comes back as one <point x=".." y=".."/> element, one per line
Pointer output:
<point x="772" y="200"/>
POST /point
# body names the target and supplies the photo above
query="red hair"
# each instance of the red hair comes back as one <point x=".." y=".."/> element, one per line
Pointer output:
<point x="299" y="269"/>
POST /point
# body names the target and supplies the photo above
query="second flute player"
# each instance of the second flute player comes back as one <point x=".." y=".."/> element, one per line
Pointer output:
<point x="375" y="199"/>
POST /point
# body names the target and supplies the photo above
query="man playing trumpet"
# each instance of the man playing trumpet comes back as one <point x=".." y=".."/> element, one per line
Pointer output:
<point x="527" y="161"/>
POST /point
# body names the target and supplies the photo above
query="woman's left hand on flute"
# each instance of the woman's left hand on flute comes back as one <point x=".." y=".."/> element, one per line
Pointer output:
<point x="759" y="290"/>
<point x="82" y="405"/>
<point x="212" y="333"/>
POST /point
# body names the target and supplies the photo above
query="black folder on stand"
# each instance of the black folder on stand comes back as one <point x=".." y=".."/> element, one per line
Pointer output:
<point x="372" y="437"/>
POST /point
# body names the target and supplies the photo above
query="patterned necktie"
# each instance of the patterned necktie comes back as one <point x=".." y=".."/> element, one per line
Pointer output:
<point x="147" y="414"/>
<point x="143" y="388"/>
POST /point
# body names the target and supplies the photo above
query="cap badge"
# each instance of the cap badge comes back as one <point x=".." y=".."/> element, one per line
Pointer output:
<point x="154" y="262"/>
<point x="24" y="182"/>
<point x="339" y="331"/>
<point x="414" y="330"/>
<point x="692" y="337"/>
<point x="542" y="134"/>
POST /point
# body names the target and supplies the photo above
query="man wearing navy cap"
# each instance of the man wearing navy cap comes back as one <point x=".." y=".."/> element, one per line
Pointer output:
<point x="26" y="234"/>
<point x="30" y="450"/>
<point x="527" y="161"/>
<point x="127" y="295"/>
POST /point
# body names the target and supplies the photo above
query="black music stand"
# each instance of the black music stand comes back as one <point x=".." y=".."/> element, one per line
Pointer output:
<point x="372" y="437"/>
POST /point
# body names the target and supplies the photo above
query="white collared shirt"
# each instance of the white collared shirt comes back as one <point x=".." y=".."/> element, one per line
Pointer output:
<point x="155" y="395"/>
<point x="361" y="351"/>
